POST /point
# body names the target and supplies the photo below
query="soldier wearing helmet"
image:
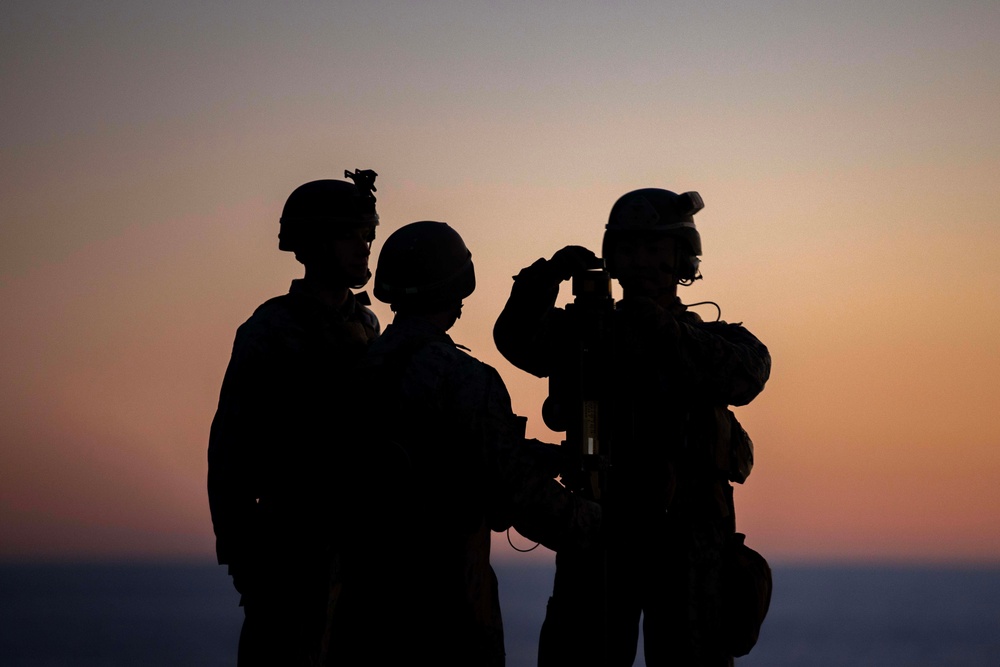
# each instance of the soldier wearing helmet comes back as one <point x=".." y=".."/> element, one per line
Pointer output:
<point x="282" y="419"/>
<point x="446" y="462"/>
<point x="673" y="449"/>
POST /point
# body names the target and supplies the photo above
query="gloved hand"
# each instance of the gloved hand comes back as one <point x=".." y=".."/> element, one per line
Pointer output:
<point x="589" y="521"/>
<point x="246" y="578"/>
<point x="571" y="260"/>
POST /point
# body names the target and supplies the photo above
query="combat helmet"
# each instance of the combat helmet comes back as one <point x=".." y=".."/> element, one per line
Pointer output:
<point x="327" y="209"/>
<point x="654" y="211"/>
<point x="423" y="266"/>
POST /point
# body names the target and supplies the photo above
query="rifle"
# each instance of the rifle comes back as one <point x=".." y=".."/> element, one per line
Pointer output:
<point x="577" y="391"/>
<point x="578" y="401"/>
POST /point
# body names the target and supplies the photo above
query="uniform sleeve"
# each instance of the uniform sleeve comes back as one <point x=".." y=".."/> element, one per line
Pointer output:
<point x="527" y="328"/>
<point x="232" y="446"/>
<point x="724" y="363"/>
<point x="522" y="494"/>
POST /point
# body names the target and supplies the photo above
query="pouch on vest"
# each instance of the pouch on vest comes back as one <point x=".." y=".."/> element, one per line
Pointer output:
<point x="746" y="581"/>
<point x="732" y="448"/>
<point x="740" y="451"/>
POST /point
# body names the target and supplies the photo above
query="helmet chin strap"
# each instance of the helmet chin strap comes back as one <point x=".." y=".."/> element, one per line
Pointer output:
<point x="368" y="276"/>
<point x="335" y="279"/>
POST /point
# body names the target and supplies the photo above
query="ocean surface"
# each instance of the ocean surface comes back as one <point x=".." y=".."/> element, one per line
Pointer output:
<point x="114" y="615"/>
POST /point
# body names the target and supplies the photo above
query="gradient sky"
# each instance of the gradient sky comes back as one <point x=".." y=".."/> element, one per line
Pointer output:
<point x="848" y="154"/>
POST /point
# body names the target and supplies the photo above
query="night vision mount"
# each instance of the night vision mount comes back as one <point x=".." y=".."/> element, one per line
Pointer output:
<point x="364" y="180"/>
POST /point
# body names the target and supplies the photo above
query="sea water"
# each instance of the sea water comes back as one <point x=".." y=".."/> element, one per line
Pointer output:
<point x="116" y="615"/>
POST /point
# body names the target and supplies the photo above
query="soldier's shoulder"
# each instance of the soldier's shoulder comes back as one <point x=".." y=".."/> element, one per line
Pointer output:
<point x="466" y="369"/>
<point x="276" y="315"/>
<point x="425" y="344"/>
<point x="367" y="318"/>
<point x="690" y="317"/>
<point x="447" y="353"/>
<point x="723" y="327"/>
<point x="447" y="368"/>
<point x="448" y="359"/>
<point x="274" y="310"/>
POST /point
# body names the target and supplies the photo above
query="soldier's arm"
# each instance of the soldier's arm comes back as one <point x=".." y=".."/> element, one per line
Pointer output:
<point x="522" y="494"/>
<point x="520" y="330"/>
<point x="529" y="327"/>
<point x="232" y="446"/>
<point x="723" y="362"/>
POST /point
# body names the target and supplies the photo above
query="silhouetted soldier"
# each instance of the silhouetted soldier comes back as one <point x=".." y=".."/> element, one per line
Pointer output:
<point x="445" y="462"/>
<point x="281" y="420"/>
<point x="672" y="444"/>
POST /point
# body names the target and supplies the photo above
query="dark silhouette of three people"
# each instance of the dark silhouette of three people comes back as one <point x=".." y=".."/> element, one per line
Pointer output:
<point x="354" y="478"/>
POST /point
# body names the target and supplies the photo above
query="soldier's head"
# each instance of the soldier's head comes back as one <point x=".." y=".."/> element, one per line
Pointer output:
<point x="424" y="268"/>
<point x="651" y="243"/>
<point x="330" y="226"/>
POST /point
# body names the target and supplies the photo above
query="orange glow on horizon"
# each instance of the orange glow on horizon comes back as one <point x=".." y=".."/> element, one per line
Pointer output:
<point x="846" y="154"/>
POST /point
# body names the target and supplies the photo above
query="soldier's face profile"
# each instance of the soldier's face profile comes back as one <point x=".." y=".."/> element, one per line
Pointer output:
<point x="646" y="264"/>
<point x="347" y="253"/>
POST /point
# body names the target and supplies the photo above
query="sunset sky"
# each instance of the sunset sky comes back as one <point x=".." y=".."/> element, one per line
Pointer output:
<point x="848" y="154"/>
